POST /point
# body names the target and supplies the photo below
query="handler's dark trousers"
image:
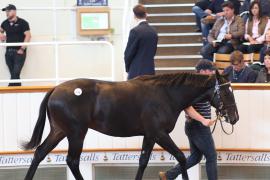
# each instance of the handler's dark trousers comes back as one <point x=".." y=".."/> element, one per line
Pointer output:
<point x="201" y="143"/>
<point x="15" y="64"/>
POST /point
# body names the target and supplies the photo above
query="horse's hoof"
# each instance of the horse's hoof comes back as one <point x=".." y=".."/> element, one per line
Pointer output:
<point x="162" y="176"/>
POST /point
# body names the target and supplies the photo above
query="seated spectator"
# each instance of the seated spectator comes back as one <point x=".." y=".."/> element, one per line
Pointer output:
<point x="255" y="30"/>
<point x="266" y="45"/>
<point x="199" y="11"/>
<point x="208" y="14"/>
<point x="244" y="9"/>
<point x="214" y="12"/>
<point x="225" y="35"/>
<point x="264" y="74"/>
<point x="238" y="71"/>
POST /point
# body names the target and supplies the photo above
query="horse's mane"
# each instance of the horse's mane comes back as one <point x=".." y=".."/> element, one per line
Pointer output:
<point x="176" y="79"/>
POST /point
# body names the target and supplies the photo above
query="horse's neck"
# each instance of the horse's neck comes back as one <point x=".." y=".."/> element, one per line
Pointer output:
<point x="184" y="97"/>
<point x="206" y="96"/>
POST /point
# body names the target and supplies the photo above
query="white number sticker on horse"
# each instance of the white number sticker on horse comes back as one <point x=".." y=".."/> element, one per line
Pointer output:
<point x="78" y="91"/>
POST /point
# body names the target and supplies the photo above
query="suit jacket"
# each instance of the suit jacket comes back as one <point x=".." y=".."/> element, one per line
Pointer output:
<point x="140" y="51"/>
<point x="237" y="30"/>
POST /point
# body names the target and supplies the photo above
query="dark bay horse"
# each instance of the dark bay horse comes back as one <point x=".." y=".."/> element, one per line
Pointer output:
<point x="147" y="106"/>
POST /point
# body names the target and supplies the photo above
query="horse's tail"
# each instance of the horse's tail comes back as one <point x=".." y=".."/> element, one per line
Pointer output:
<point x="38" y="130"/>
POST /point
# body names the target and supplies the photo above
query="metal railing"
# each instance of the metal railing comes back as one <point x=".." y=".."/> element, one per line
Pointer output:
<point x="56" y="45"/>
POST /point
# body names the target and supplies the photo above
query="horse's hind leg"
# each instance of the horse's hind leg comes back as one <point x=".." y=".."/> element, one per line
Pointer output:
<point x="147" y="148"/>
<point x="165" y="141"/>
<point x="41" y="152"/>
<point x="75" y="141"/>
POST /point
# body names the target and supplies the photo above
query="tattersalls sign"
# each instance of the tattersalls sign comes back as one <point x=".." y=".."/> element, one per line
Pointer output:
<point x="133" y="157"/>
<point x="249" y="158"/>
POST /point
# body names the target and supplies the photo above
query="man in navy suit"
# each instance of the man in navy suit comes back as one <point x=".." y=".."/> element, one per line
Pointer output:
<point x="141" y="47"/>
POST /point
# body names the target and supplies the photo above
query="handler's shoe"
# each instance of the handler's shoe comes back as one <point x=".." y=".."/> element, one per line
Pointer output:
<point x="162" y="176"/>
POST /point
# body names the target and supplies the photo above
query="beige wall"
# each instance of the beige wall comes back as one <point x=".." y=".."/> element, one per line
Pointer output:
<point x="75" y="61"/>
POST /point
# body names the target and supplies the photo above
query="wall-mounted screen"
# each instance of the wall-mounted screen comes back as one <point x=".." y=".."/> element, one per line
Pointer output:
<point x="93" y="20"/>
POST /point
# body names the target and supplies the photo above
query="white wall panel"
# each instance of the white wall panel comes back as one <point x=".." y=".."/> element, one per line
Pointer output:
<point x="178" y="135"/>
<point x="243" y="125"/>
<point x="254" y="119"/>
<point x="91" y="139"/>
<point x="10" y="121"/>
<point x="23" y="116"/>
<point x="1" y="124"/>
<point x="119" y="142"/>
<point x="19" y="112"/>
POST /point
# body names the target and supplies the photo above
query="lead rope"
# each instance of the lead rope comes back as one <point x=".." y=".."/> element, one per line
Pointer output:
<point x="222" y="126"/>
<point x="214" y="128"/>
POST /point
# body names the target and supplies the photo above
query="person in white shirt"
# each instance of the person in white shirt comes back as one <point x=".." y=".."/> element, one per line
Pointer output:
<point x="255" y="29"/>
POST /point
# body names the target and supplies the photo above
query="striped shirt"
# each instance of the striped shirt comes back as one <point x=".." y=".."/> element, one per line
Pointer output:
<point x="203" y="108"/>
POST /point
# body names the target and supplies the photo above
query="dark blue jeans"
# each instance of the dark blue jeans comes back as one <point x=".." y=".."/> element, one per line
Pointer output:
<point x="199" y="14"/>
<point x="254" y="48"/>
<point x="208" y="50"/>
<point x="262" y="52"/>
<point x="201" y="143"/>
<point x="206" y="29"/>
<point x="15" y="64"/>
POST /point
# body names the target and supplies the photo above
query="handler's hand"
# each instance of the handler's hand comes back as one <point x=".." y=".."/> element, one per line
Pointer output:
<point x="2" y="37"/>
<point x="208" y="122"/>
<point x="20" y="51"/>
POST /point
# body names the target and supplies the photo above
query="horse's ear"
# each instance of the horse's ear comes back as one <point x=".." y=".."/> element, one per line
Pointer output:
<point x="221" y="76"/>
<point x="218" y="74"/>
<point x="226" y="76"/>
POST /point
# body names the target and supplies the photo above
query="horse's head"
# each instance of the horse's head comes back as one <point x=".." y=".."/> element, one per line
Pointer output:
<point x="224" y="99"/>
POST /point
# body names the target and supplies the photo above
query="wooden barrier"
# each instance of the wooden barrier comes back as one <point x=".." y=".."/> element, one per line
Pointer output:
<point x="132" y="150"/>
<point x="25" y="89"/>
<point x="36" y="89"/>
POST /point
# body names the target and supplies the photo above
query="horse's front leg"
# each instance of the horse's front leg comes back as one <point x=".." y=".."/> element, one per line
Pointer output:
<point x="165" y="141"/>
<point x="147" y="148"/>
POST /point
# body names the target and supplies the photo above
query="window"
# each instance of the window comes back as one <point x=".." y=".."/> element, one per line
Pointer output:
<point x="127" y="172"/>
<point x="239" y="172"/>
<point x="43" y="173"/>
